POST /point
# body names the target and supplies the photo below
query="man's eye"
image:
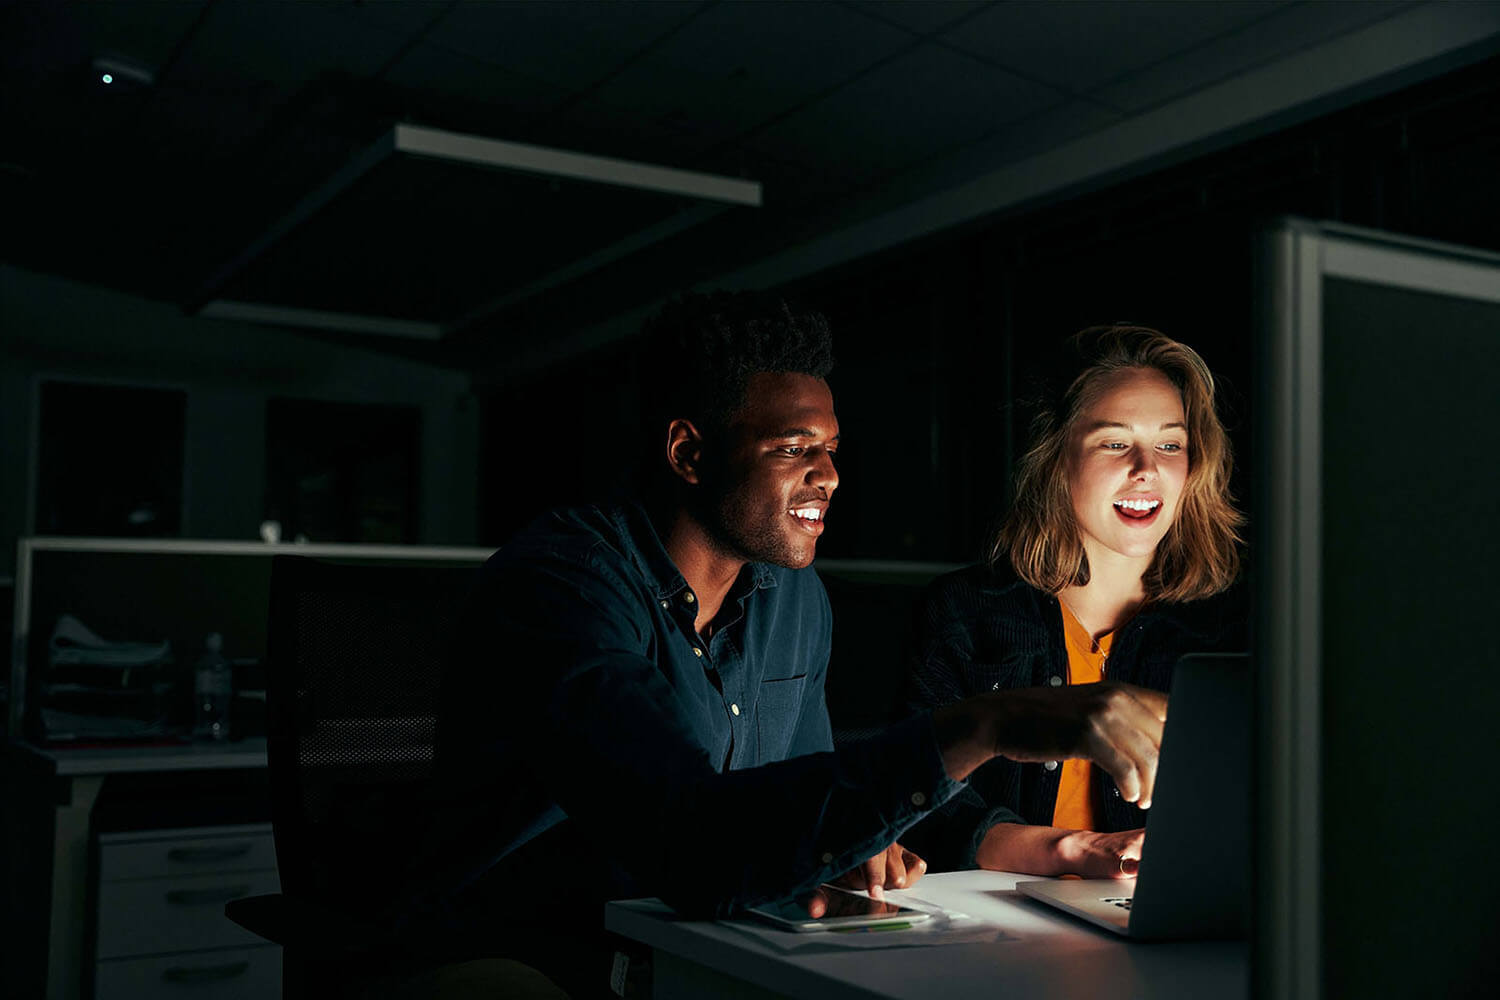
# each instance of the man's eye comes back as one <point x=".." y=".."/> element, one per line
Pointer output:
<point x="792" y="450"/>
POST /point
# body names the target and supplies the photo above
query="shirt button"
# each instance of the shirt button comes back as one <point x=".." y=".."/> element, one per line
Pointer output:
<point x="689" y="597"/>
<point x="666" y="604"/>
<point x="735" y="709"/>
<point x="1055" y="681"/>
<point x="828" y="859"/>
<point x="918" y="799"/>
<point x="697" y="652"/>
<point x="995" y="686"/>
<point x="1051" y="765"/>
<point x="1115" y="792"/>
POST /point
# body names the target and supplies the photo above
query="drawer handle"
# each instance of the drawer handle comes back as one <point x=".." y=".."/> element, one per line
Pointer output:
<point x="189" y="974"/>
<point x="219" y="894"/>
<point x="203" y="854"/>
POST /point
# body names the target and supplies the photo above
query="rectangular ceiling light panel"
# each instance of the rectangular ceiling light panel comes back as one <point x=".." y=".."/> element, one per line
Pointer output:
<point x="576" y="166"/>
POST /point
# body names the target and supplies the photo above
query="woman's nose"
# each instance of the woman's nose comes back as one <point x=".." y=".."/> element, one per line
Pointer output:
<point x="1143" y="464"/>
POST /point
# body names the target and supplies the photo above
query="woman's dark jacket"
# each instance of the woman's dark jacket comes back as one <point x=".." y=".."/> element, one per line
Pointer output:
<point x="981" y="630"/>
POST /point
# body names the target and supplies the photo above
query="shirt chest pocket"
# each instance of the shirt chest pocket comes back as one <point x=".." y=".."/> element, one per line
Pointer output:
<point x="777" y="708"/>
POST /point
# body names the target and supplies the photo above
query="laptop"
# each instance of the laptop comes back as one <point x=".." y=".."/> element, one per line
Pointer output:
<point x="1194" y="877"/>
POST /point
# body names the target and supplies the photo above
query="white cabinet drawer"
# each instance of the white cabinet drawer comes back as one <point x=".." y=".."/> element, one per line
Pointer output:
<point x="149" y="916"/>
<point x="229" y="849"/>
<point x="226" y="974"/>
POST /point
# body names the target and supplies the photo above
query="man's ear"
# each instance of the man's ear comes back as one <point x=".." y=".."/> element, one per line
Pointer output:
<point x="684" y="449"/>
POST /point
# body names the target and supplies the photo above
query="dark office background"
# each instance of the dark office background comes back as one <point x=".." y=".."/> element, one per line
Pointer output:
<point x="209" y="172"/>
<point x="934" y="340"/>
<point x="222" y="303"/>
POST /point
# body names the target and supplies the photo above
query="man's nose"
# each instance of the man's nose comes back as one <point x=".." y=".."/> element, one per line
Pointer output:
<point x="823" y="475"/>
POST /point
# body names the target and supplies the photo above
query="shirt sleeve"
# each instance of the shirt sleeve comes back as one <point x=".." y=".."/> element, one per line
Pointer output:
<point x="580" y="700"/>
<point x="950" y="836"/>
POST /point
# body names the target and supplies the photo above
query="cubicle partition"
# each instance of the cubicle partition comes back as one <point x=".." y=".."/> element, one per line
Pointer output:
<point x="123" y="834"/>
<point x="1376" y="542"/>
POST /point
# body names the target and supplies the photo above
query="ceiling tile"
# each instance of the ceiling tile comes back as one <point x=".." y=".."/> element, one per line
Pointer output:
<point x="142" y="33"/>
<point x="570" y="45"/>
<point x="924" y="16"/>
<point x="205" y="125"/>
<point x="405" y="18"/>
<point x="1036" y="134"/>
<point x="1079" y="44"/>
<point x="742" y="64"/>
<point x="1010" y="142"/>
<point x="436" y="69"/>
<point x="785" y="185"/>
<point x="285" y="45"/>
<point x="593" y="125"/>
<point x="1286" y="31"/>
<point x="923" y="104"/>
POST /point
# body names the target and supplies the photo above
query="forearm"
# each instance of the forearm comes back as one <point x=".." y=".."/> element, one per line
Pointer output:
<point x="1114" y="725"/>
<point x="964" y="738"/>
<point x="1030" y="850"/>
<point x="814" y="817"/>
<point x="1049" y="850"/>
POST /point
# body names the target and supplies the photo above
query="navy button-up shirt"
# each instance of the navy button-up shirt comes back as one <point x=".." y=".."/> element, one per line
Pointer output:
<point x="582" y="692"/>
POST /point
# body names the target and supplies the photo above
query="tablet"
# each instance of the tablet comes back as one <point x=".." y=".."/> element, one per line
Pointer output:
<point x="846" y="910"/>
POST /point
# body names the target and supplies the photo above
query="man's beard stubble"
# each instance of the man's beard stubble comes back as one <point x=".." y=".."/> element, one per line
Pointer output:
<point x="739" y="528"/>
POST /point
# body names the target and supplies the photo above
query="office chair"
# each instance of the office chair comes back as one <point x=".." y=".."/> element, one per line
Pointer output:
<point x="354" y="657"/>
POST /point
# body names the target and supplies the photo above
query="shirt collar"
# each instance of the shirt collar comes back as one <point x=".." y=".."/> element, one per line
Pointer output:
<point x="644" y="548"/>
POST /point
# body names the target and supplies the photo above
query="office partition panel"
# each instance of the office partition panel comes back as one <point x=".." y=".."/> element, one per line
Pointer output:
<point x="1378" y="495"/>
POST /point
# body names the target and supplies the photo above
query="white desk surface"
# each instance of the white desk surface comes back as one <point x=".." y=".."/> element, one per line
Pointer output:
<point x="1046" y="954"/>
<point x="70" y="762"/>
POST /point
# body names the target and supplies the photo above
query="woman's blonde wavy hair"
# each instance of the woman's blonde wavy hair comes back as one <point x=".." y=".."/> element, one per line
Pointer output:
<point x="1199" y="555"/>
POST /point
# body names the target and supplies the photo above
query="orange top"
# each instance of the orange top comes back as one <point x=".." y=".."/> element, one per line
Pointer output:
<point x="1075" y="807"/>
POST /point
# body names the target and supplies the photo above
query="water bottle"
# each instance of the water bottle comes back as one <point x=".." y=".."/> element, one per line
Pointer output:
<point x="214" y="688"/>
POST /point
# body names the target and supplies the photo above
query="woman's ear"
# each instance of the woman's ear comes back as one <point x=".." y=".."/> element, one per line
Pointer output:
<point x="684" y="450"/>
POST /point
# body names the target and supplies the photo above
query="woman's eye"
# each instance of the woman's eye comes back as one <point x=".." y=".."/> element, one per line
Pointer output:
<point x="1171" y="446"/>
<point x="1114" y="446"/>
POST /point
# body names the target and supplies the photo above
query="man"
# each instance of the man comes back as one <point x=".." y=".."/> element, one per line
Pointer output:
<point x="637" y="708"/>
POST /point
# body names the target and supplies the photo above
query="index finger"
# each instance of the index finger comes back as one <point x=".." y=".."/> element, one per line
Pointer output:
<point x="1125" y="740"/>
<point x="874" y="870"/>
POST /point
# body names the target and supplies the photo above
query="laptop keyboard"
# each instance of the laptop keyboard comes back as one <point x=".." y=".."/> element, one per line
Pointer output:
<point x="1123" y="902"/>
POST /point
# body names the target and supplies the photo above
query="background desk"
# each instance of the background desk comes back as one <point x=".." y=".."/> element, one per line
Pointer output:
<point x="51" y="794"/>
<point x="1048" y="955"/>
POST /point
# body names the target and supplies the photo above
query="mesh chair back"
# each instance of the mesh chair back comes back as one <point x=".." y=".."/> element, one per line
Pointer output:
<point x="355" y="656"/>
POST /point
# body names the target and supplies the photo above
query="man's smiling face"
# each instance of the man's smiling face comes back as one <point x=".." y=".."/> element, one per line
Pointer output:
<point x="776" y="476"/>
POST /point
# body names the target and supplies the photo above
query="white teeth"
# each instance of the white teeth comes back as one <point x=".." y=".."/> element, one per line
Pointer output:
<point x="1138" y="504"/>
<point x="807" y="514"/>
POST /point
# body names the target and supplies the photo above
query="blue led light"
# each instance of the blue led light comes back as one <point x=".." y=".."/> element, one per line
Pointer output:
<point x="107" y="78"/>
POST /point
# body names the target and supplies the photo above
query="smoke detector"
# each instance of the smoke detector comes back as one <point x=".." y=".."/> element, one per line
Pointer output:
<point x="113" y="71"/>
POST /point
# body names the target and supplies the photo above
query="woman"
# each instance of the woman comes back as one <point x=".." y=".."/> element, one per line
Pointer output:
<point x="1117" y="558"/>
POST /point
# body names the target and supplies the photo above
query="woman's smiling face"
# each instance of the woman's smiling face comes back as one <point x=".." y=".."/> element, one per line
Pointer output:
<point x="1127" y="463"/>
